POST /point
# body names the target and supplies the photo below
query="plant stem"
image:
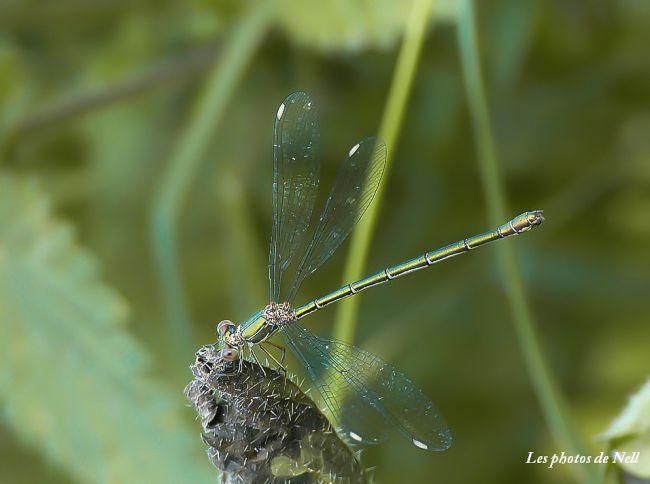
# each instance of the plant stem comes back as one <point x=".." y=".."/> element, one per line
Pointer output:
<point x="244" y="262"/>
<point x="545" y="386"/>
<point x="407" y="61"/>
<point x="186" y="159"/>
<point x="175" y="70"/>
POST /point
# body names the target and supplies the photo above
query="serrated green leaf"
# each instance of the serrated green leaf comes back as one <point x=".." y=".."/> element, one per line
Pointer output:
<point x="73" y="381"/>
<point x="630" y="432"/>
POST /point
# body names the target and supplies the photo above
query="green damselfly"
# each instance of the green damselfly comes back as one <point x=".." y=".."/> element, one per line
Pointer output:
<point x="362" y="393"/>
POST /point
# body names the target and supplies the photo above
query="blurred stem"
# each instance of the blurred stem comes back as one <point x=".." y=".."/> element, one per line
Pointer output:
<point x="180" y="68"/>
<point x="185" y="161"/>
<point x="244" y="262"/>
<point x="407" y="61"/>
<point x="546" y="389"/>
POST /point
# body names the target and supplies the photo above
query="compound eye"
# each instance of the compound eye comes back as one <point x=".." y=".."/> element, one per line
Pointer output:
<point x="225" y="328"/>
<point x="229" y="354"/>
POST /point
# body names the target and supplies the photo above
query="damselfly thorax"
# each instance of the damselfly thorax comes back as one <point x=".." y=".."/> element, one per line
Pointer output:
<point x="259" y="327"/>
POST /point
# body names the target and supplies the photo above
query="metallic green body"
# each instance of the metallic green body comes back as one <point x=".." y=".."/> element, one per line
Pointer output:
<point x="257" y="329"/>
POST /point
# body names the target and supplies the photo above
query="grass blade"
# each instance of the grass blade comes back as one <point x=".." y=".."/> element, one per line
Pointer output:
<point x="545" y="386"/>
<point x="407" y="61"/>
<point x="186" y="159"/>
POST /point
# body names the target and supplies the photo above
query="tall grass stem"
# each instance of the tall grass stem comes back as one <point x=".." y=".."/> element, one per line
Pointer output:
<point x="544" y="384"/>
<point x="407" y="62"/>
<point x="186" y="158"/>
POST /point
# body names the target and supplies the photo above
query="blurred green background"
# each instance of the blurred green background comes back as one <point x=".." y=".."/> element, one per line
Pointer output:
<point x="135" y="176"/>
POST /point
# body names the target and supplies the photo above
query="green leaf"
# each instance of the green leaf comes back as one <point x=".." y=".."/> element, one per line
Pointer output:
<point x="73" y="382"/>
<point x="350" y="25"/>
<point x="630" y="432"/>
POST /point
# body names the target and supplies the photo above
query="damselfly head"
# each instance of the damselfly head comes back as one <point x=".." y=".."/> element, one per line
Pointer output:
<point x="228" y="333"/>
<point x="225" y="328"/>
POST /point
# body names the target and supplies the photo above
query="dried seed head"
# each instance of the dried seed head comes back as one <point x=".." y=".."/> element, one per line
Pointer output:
<point x="260" y="427"/>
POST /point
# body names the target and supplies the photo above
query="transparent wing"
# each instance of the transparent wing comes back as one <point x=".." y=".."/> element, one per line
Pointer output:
<point x="354" y="188"/>
<point x="364" y="394"/>
<point x="295" y="181"/>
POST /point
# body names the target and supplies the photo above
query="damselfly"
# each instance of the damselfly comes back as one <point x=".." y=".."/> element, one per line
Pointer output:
<point x="364" y="395"/>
